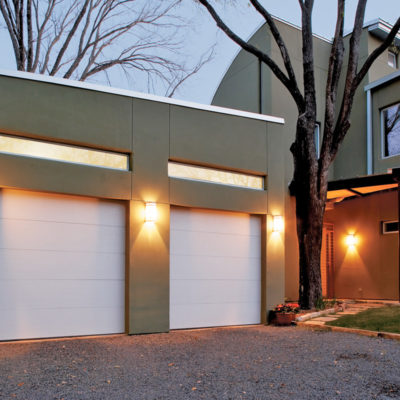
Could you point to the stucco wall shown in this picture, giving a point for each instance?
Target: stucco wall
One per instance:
(152, 133)
(383, 97)
(370, 269)
(240, 88)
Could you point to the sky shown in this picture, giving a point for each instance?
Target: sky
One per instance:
(244, 20)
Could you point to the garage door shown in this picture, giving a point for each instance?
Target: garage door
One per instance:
(215, 268)
(61, 265)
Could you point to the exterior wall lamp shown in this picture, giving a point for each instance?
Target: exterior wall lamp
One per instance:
(351, 240)
(150, 212)
(277, 223)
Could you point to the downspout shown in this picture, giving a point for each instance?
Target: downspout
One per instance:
(369, 132)
(260, 96)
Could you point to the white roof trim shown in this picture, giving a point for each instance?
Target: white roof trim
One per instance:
(382, 81)
(138, 95)
(260, 25)
(377, 27)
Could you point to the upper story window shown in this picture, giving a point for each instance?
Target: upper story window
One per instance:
(392, 59)
(391, 130)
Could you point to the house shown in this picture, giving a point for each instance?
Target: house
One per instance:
(360, 252)
(124, 212)
(129, 213)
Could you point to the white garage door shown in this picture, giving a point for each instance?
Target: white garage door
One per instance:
(215, 268)
(61, 265)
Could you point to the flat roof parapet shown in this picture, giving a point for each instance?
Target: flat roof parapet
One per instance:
(139, 95)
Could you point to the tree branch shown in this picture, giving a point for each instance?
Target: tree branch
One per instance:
(377, 52)
(297, 96)
(278, 39)
(30, 34)
(69, 37)
(343, 124)
(334, 70)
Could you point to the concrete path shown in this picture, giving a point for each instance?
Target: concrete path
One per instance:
(351, 309)
(319, 323)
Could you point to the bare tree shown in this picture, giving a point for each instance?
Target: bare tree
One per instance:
(310, 179)
(80, 38)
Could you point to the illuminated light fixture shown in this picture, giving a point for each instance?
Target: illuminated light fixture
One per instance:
(150, 212)
(351, 240)
(277, 223)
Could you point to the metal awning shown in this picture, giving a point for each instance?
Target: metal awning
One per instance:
(363, 185)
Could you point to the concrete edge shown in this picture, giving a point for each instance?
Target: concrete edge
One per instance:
(316, 314)
(362, 332)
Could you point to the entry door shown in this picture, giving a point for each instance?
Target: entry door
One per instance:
(215, 268)
(61, 265)
(327, 262)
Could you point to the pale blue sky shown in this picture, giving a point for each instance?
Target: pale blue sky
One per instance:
(245, 21)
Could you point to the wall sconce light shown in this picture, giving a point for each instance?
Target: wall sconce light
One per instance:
(351, 240)
(150, 212)
(277, 223)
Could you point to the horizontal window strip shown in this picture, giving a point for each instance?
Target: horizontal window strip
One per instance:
(185, 171)
(61, 152)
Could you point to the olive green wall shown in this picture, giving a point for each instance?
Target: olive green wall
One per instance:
(380, 67)
(240, 88)
(370, 270)
(354, 146)
(152, 133)
(66, 114)
(383, 97)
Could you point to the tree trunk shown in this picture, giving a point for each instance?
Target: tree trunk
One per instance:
(310, 194)
(309, 233)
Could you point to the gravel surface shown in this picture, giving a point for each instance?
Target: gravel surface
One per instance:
(226, 363)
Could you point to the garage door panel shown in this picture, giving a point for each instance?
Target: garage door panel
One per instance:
(18, 204)
(208, 315)
(33, 264)
(213, 291)
(204, 220)
(204, 267)
(30, 294)
(62, 265)
(215, 268)
(21, 234)
(213, 244)
(34, 323)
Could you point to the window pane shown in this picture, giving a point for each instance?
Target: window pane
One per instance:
(317, 139)
(184, 171)
(391, 130)
(60, 152)
(392, 59)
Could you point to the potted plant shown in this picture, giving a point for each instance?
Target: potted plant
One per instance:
(285, 313)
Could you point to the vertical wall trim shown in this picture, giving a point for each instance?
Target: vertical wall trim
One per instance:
(260, 85)
(369, 132)
(264, 317)
(398, 222)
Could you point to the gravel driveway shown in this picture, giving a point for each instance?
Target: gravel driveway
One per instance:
(228, 363)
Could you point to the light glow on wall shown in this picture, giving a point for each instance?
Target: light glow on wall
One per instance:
(61, 152)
